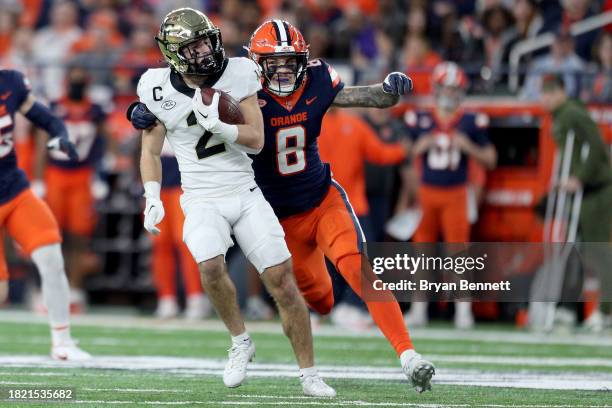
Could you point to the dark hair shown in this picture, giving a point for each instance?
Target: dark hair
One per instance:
(552, 82)
(597, 44)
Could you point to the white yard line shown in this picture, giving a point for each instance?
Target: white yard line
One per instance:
(137, 322)
(201, 366)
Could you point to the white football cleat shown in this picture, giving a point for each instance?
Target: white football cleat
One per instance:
(198, 307)
(239, 357)
(595, 322)
(418, 370)
(69, 351)
(167, 308)
(314, 386)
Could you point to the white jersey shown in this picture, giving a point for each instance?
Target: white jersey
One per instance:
(209, 168)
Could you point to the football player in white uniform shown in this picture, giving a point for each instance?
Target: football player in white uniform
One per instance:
(220, 196)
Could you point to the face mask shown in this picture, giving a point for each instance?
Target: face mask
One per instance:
(447, 103)
(76, 91)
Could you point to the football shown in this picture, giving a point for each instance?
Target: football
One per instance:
(229, 108)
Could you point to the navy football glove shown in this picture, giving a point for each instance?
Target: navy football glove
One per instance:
(397, 83)
(140, 116)
(63, 144)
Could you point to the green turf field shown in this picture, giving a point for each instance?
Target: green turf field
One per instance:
(143, 362)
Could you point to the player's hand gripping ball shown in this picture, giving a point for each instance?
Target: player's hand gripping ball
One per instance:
(227, 108)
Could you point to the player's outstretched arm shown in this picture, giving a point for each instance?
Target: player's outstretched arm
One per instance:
(151, 174)
(382, 95)
(43, 118)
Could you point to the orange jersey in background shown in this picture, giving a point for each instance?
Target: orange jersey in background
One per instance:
(347, 142)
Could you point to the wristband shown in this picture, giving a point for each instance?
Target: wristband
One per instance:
(227, 132)
(152, 189)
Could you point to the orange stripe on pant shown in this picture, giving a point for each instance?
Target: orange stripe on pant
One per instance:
(169, 240)
(329, 230)
(29, 222)
(444, 212)
(69, 197)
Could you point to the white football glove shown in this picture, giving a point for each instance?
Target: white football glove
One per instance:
(154, 209)
(208, 117)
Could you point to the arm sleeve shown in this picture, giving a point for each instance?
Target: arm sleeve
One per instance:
(21, 88)
(42, 117)
(378, 152)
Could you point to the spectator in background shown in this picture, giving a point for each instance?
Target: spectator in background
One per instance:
(380, 179)
(574, 11)
(418, 61)
(8, 25)
(140, 53)
(98, 52)
(486, 55)
(52, 47)
(528, 20)
(67, 185)
(600, 89)
(347, 142)
(324, 12)
(591, 172)
(528, 24)
(562, 60)
(369, 48)
(20, 55)
(321, 43)
(390, 19)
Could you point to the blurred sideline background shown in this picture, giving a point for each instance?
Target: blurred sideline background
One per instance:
(85, 58)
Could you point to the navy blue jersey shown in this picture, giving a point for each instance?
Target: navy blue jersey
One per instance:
(171, 176)
(14, 90)
(83, 120)
(444, 165)
(289, 170)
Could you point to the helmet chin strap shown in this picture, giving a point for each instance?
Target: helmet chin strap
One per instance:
(285, 90)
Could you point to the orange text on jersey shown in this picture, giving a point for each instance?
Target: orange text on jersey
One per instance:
(289, 120)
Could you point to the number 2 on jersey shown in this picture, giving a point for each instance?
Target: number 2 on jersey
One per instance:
(290, 154)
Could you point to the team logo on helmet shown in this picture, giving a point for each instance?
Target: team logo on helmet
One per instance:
(183, 27)
(281, 51)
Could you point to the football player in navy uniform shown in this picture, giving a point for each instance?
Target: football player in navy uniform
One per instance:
(315, 213)
(446, 137)
(26, 217)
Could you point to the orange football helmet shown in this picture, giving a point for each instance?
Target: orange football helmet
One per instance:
(281, 51)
